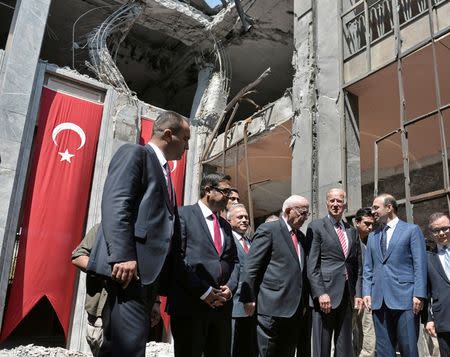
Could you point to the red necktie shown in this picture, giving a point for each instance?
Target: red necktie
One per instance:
(245, 245)
(295, 241)
(341, 235)
(217, 237)
(169, 183)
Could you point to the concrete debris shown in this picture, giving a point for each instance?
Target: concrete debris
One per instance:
(154, 349)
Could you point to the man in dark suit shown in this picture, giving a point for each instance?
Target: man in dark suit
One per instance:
(334, 272)
(200, 299)
(394, 279)
(438, 317)
(275, 281)
(243, 326)
(138, 222)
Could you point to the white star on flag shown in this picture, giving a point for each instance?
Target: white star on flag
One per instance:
(65, 156)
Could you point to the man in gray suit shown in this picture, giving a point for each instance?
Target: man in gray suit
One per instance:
(275, 282)
(243, 326)
(139, 218)
(334, 272)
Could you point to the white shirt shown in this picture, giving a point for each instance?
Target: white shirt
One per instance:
(392, 224)
(298, 241)
(207, 214)
(162, 160)
(341, 224)
(241, 239)
(441, 254)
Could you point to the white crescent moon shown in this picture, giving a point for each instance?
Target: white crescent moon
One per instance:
(69, 126)
(174, 164)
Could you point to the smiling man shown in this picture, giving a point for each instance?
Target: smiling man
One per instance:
(438, 321)
(334, 272)
(394, 279)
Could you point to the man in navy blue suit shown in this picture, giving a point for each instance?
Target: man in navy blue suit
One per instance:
(394, 279)
(200, 296)
(438, 321)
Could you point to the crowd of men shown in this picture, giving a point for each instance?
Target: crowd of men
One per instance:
(361, 289)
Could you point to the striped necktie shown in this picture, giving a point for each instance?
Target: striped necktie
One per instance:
(342, 240)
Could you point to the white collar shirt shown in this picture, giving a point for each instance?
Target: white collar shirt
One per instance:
(391, 224)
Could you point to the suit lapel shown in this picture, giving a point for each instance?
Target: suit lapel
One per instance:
(226, 238)
(329, 227)
(438, 265)
(287, 238)
(399, 228)
(160, 174)
(199, 214)
(350, 237)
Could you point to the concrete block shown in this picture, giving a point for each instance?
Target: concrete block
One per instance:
(11, 125)
(9, 153)
(6, 184)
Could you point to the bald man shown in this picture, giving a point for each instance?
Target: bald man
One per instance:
(395, 279)
(275, 281)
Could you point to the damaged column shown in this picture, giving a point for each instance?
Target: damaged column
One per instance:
(319, 133)
(209, 102)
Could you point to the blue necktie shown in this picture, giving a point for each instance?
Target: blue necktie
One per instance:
(383, 241)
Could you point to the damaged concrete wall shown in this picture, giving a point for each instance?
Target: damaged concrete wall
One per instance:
(209, 102)
(319, 137)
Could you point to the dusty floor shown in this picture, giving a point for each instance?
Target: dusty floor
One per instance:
(153, 350)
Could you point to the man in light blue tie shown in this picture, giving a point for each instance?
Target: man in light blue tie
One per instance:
(438, 314)
(394, 279)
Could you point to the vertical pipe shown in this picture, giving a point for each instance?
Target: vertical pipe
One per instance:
(341, 105)
(247, 174)
(375, 174)
(444, 154)
(366, 19)
(403, 133)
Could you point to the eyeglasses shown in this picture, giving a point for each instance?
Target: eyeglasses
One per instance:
(302, 212)
(436, 231)
(223, 191)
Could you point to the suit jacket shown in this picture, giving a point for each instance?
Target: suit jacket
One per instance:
(273, 276)
(198, 265)
(137, 218)
(238, 306)
(438, 293)
(401, 274)
(327, 265)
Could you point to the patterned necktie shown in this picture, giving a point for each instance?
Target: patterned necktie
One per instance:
(446, 250)
(217, 237)
(169, 184)
(295, 242)
(383, 240)
(245, 245)
(342, 240)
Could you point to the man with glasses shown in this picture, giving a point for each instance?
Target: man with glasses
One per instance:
(200, 298)
(394, 279)
(275, 282)
(438, 317)
(363, 330)
(334, 272)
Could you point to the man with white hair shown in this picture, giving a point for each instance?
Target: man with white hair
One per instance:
(334, 272)
(275, 280)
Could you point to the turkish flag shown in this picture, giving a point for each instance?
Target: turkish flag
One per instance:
(177, 175)
(55, 207)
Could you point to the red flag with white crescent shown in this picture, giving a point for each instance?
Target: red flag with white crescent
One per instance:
(55, 208)
(177, 175)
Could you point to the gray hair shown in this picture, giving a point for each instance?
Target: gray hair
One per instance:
(293, 200)
(233, 208)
